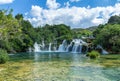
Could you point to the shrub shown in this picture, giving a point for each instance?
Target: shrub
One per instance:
(3, 56)
(93, 54)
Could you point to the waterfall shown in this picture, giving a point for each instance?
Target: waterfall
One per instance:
(43, 45)
(50, 47)
(37, 47)
(69, 46)
(62, 46)
(103, 51)
(75, 46)
(80, 51)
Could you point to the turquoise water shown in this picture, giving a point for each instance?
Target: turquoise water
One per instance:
(52, 66)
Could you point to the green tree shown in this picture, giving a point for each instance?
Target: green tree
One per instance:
(9, 29)
(19, 17)
(109, 37)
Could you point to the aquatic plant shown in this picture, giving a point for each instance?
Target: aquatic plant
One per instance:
(93, 54)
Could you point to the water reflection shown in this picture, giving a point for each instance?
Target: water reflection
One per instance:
(36, 67)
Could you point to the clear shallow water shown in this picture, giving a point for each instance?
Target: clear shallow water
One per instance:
(63, 67)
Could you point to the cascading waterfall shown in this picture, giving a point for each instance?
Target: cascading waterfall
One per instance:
(69, 46)
(41, 47)
(103, 51)
(80, 48)
(62, 46)
(50, 44)
(43, 44)
(37, 47)
(75, 46)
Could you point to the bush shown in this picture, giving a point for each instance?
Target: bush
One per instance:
(93, 54)
(3, 56)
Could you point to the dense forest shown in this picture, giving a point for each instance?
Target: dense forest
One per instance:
(17, 34)
(108, 35)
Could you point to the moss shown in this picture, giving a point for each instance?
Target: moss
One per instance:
(93, 54)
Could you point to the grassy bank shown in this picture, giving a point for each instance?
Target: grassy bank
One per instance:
(110, 60)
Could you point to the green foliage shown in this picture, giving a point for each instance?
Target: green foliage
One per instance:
(93, 54)
(52, 33)
(109, 37)
(97, 31)
(17, 35)
(10, 29)
(5, 45)
(19, 17)
(78, 33)
(3, 56)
